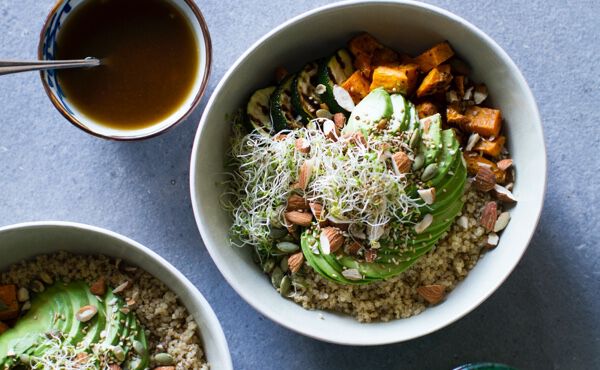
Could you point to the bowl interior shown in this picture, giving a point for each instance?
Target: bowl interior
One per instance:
(26, 241)
(47, 50)
(406, 26)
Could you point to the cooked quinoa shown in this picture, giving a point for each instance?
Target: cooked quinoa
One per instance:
(447, 265)
(169, 326)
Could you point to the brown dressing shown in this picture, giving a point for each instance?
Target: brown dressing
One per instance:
(149, 61)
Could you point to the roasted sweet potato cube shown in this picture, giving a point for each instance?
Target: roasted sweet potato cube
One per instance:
(455, 118)
(362, 62)
(9, 307)
(385, 57)
(426, 109)
(364, 44)
(397, 79)
(357, 85)
(490, 147)
(459, 82)
(459, 67)
(486, 122)
(3, 327)
(476, 161)
(434, 56)
(437, 80)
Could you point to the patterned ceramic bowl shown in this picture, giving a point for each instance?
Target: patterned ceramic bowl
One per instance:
(46, 51)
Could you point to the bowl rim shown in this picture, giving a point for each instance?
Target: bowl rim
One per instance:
(208, 315)
(207, 60)
(197, 203)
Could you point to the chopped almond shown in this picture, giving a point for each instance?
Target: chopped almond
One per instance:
(398, 79)
(490, 147)
(437, 80)
(434, 56)
(357, 85)
(486, 122)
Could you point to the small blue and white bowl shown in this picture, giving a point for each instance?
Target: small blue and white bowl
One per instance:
(46, 50)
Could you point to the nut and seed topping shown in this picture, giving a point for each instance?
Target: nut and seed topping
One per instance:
(485, 179)
(295, 262)
(502, 222)
(433, 293)
(299, 218)
(331, 239)
(402, 162)
(86, 313)
(489, 215)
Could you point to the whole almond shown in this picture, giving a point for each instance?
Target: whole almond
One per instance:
(485, 179)
(317, 211)
(303, 146)
(296, 203)
(299, 218)
(402, 161)
(114, 367)
(489, 215)
(432, 293)
(98, 287)
(295, 262)
(339, 119)
(304, 174)
(504, 164)
(331, 239)
(370, 255)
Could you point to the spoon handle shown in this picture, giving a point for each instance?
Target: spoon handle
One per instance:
(16, 66)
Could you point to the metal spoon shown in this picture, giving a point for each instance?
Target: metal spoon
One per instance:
(16, 66)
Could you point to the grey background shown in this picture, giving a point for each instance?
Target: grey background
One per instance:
(547, 314)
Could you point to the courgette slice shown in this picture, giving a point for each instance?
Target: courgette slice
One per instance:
(305, 100)
(258, 112)
(334, 71)
(282, 112)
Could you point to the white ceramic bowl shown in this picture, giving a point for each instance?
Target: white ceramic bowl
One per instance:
(27, 240)
(403, 25)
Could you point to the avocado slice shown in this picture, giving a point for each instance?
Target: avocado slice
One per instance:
(55, 309)
(369, 112)
(401, 113)
(431, 137)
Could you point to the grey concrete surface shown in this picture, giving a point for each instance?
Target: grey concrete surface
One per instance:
(546, 315)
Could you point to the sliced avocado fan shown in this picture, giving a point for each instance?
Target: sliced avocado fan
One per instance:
(53, 314)
(441, 152)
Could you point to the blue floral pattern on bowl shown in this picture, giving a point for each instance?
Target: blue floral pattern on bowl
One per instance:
(48, 51)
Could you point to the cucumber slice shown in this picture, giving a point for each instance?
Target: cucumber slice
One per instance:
(431, 139)
(258, 112)
(334, 71)
(401, 115)
(305, 100)
(372, 109)
(282, 113)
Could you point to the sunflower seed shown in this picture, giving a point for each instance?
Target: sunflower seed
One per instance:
(502, 222)
(424, 224)
(418, 162)
(23, 295)
(352, 274)
(414, 138)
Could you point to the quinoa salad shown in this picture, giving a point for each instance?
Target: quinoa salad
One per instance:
(370, 181)
(66, 311)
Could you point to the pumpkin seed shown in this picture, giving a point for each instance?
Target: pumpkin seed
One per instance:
(324, 113)
(163, 359)
(268, 265)
(415, 137)
(23, 295)
(37, 286)
(277, 232)
(429, 172)
(139, 348)
(284, 288)
(419, 162)
(287, 247)
(276, 277)
(283, 264)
